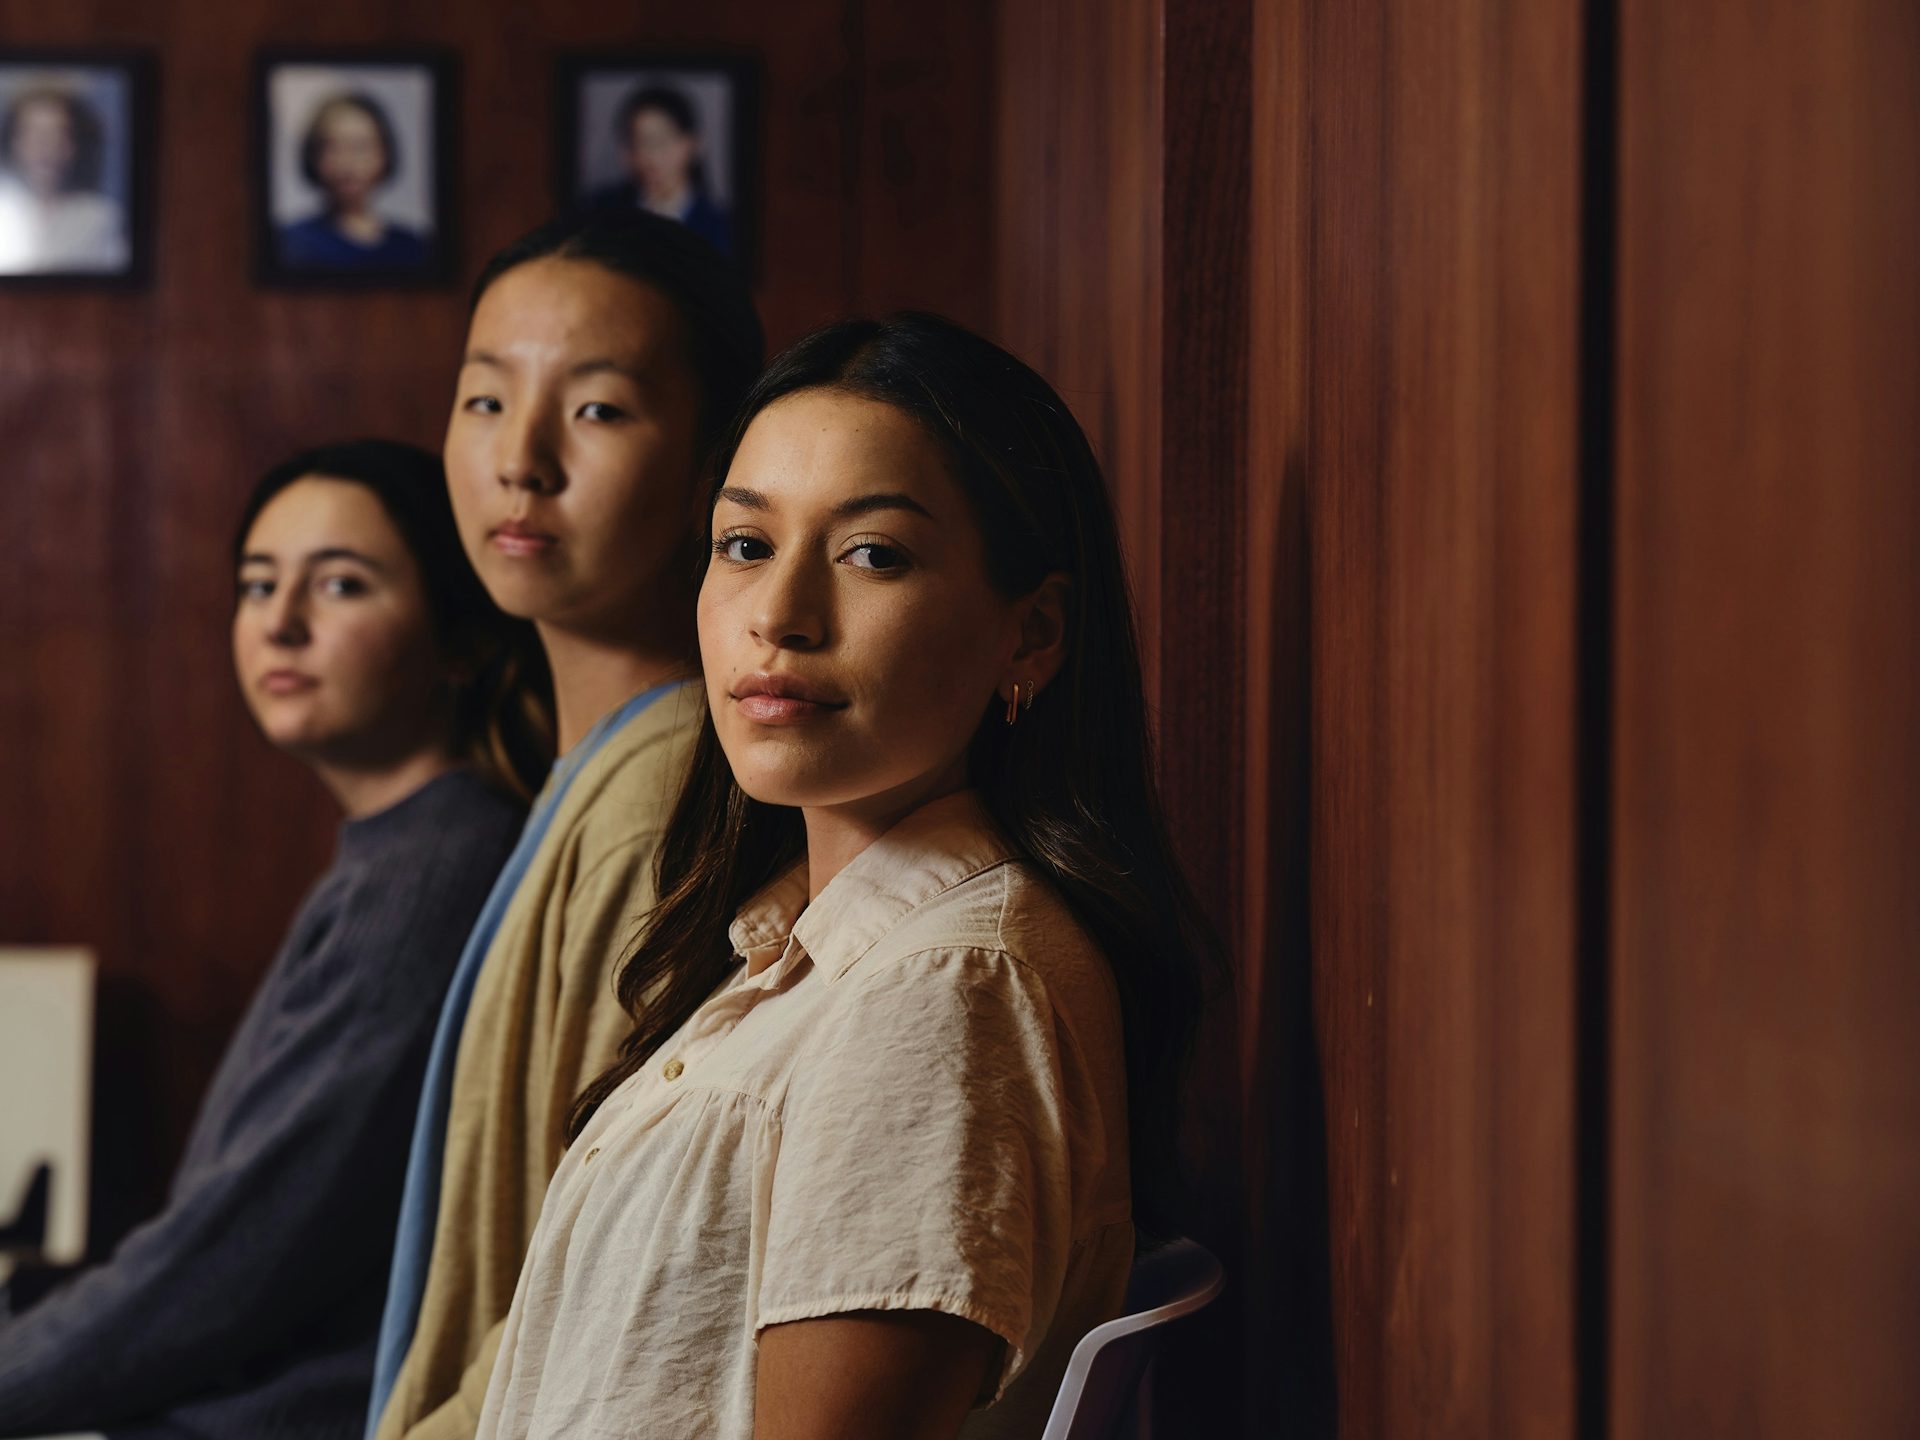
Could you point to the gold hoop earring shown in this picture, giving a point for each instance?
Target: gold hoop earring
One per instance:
(1013, 703)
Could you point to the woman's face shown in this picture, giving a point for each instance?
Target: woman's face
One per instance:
(43, 146)
(661, 154)
(851, 638)
(332, 636)
(352, 159)
(571, 448)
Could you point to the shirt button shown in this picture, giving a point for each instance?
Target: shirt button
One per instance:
(672, 1070)
(590, 1154)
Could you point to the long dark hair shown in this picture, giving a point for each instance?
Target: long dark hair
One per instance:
(725, 343)
(1071, 786)
(503, 713)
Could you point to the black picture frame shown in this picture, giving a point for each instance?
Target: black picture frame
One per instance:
(108, 245)
(296, 246)
(720, 86)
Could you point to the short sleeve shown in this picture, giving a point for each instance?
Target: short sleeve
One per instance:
(923, 1158)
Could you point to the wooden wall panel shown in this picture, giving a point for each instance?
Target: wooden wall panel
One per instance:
(1766, 1099)
(1440, 289)
(139, 813)
(1077, 267)
(1290, 1377)
(1120, 268)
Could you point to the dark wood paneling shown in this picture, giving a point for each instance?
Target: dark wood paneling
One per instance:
(1077, 245)
(1202, 654)
(1766, 1274)
(1440, 286)
(1121, 273)
(140, 813)
(1287, 1261)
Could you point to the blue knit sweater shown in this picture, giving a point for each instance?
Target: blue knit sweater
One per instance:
(249, 1306)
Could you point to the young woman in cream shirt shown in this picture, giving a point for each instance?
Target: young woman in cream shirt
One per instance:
(864, 1165)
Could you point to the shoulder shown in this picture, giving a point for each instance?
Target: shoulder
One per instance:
(91, 207)
(306, 240)
(1004, 909)
(433, 861)
(403, 245)
(1003, 926)
(314, 227)
(626, 793)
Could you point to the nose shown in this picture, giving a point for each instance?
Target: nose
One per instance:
(791, 605)
(287, 617)
(526, 458)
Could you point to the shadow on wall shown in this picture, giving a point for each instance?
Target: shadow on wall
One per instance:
(130, 1120)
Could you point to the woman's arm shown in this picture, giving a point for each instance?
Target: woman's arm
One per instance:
(255, 1239)
(874, 1374)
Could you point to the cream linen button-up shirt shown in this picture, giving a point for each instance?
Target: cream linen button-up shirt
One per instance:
(910, 1096)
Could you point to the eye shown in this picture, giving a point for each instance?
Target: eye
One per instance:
(253, 589)
(481, 405)
(875, 555)
(741, 549)
(341, 587)
(601, 411)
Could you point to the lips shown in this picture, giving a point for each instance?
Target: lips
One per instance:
(287, 682)
(520, 540)
(783, 699)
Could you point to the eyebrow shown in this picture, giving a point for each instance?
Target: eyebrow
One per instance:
(845, 510)
(332, 552)
(600, 365)
(606, 366)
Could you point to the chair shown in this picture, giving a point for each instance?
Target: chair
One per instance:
(1108, 1376)
(46, 1065)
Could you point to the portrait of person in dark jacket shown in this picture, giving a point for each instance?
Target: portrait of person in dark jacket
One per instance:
(665, 164)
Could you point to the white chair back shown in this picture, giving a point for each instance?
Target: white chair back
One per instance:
(1107, 1375)
(46, 1092)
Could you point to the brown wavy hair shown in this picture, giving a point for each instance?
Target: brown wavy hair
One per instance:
(1071, 786)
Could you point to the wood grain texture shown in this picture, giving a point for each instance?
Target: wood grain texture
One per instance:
(1287, 1260)
(1202, 654)
(1440, 285)
(1120, 267)
(140, 814)
(1766, 1260)
(1077, 255)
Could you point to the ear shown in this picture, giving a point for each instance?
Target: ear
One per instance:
(1043, 638)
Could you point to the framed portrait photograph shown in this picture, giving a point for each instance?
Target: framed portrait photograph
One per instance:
(356, 161)
(76, 133)
(674, 135)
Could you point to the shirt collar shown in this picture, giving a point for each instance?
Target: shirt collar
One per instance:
(939, 845)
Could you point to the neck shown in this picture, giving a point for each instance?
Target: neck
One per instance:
(669, 203)
(362, 792)
(837, 833)
(592, 677)
(356, 218)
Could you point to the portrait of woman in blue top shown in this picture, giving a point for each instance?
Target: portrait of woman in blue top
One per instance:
(365, 648)
(349, 154)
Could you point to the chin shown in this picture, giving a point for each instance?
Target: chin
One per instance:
(523, 596)
(797, 786)
(299, 741)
